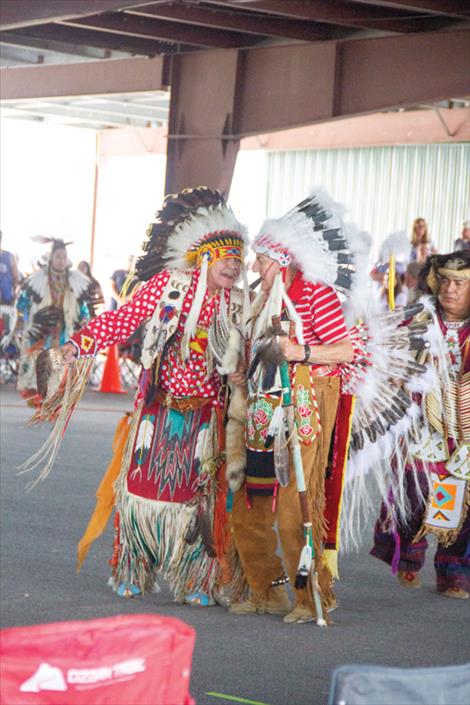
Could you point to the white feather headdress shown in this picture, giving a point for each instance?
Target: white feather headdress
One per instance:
(189, 232)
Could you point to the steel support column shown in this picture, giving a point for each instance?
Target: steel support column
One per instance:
(201, 149)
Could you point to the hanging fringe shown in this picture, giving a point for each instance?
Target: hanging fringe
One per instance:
(152, 535)
(59, 409)
(246, 302)
(294, 316)
(152, 542)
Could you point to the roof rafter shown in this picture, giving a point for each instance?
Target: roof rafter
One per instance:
(86, 37)
(341, 12)
(231, 20)
(25, 13)
(458, 9)
(16, 39)
(145, 27)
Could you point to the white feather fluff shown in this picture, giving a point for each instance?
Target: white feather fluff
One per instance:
(204, 221)
(398, 244)
(38, 282)
(79, 282)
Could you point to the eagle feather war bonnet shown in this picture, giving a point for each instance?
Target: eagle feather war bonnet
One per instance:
(314, 238)
(194, 229)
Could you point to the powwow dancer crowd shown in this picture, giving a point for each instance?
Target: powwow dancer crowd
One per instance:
(328, 398)
(51, 307)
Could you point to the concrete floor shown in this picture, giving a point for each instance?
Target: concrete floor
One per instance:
(253, 657)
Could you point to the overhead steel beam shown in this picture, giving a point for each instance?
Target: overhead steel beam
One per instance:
(86, 37)
(120, 109)
(284, 87)
(85, 78)
(401, 71)
(349, 14)
(198, 151)
(24, 13)
(458, 9)
(146, 27)
(250, 23)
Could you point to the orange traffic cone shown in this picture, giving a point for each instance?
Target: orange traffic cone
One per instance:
(111, 380)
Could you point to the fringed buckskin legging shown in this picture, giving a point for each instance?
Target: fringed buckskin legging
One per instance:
(254, 533)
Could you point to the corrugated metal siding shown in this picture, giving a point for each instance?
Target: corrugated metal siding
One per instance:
(383, 188)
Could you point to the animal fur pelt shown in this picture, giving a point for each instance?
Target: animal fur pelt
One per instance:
(227, 344)
(50, 369)
(235, 447)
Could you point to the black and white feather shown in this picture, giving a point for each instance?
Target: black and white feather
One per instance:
(322, 244)
(384, 379)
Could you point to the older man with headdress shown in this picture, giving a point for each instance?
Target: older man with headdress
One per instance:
(437, 481)
(51, 307)
(298, 340)
(169, 499)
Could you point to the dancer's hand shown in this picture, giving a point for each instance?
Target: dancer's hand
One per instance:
(238, 378)
(69, 351)
(291, 351)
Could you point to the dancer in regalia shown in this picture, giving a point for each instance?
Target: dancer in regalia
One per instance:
(436, 481)
(169, 489)
(51, 307)
(298, 339)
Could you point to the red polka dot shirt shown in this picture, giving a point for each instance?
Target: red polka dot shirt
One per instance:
(190, 379)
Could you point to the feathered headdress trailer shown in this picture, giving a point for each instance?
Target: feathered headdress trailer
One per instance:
(314, 238)
(194, 229)
(55, 243)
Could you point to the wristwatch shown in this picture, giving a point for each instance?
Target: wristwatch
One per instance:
(307, 353)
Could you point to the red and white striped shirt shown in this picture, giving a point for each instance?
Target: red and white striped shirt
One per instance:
(320, 310)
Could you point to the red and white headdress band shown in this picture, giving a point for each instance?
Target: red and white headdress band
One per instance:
(263, 245)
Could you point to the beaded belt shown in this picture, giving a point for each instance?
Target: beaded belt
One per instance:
(181, 404)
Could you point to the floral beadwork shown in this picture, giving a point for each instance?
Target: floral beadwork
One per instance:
(304, 411)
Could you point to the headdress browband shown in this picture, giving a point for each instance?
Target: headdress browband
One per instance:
(222, 244)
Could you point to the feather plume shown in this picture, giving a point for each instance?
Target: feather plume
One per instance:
(398, 244)
(323, 247)
(42, 239)
(205, 527)
(144, 438)
(184, 218)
